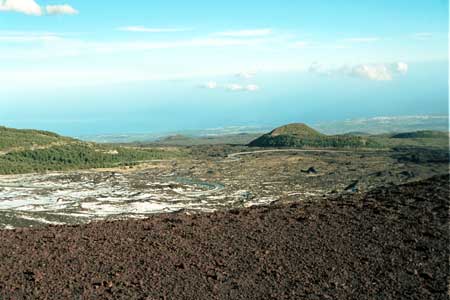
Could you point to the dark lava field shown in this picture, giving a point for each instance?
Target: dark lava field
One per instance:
(391, 243)
(232, 223)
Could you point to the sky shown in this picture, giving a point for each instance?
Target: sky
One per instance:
(95, 67)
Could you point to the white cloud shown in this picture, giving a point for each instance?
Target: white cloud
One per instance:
(301, 44)
(371, 72)
(422, 35)
(310, 45)
(234, 87)
(210, 85)
(29, 7)
(64, 9)
(246, 75)
(151, 30)
(319, 69)
(401, 67)
(362, 40)
(377, 72)
(246, 33)
(252, 88)
(50, 45)
(86, 77)
(28, 37)
(189, 43)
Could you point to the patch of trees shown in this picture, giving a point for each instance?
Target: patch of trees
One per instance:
(335, 141)
(74, 156)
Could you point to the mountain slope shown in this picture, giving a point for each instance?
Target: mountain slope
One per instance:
(27, 151)
(11, 138)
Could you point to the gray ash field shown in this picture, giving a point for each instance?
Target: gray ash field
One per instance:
(211, 178)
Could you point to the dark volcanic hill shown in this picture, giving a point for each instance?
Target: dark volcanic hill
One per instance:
(301, 135)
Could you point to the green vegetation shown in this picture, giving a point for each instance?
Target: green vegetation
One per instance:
(76, 156)
(300, 135)
(298, 130)
(423, 134)
(26, 151)
(16, 138)
(336, 141)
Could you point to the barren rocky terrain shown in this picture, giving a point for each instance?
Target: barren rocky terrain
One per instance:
(391, 243)
(213, 178)
(232, 222)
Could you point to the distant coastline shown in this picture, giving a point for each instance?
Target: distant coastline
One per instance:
(374, 125)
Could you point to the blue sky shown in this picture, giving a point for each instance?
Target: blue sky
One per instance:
(78, 67)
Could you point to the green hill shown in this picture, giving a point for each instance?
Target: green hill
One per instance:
(11, 138)
(27, 151)
(301, 135)
(299, 130)
(423, 134)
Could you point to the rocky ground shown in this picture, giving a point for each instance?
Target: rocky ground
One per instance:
(391, 243)
(213, 178)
